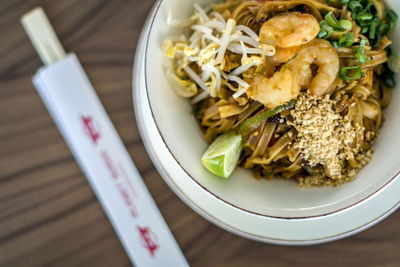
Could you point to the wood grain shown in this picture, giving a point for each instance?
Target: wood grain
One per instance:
(48, 213)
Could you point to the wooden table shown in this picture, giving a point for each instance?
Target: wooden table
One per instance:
(49, 215)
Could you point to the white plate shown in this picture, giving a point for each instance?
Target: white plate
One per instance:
(302, 227)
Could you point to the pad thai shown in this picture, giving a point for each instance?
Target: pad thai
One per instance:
(289, 89)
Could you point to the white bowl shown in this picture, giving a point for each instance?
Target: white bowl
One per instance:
(272, 211)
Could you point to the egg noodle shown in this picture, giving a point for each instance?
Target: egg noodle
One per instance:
(302, 82)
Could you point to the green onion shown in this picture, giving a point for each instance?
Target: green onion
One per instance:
(343, 2)
(384, 29)
(368, 8)
(363, 16)
(325, 30)
(254, 122)
(346, 40)
(355, 6)
(360, 52)
(345, 25)
(342, 25)
(331, 20)
(373, 27)
(366, 14)
(391, 15)
(344, 73)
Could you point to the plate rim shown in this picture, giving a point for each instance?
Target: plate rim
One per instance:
(169, 180)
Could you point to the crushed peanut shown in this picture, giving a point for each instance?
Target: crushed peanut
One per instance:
(327, 139)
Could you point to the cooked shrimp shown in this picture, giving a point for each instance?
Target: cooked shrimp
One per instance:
(324, 56)
(289, 30)
(283, 55)
(276, 90)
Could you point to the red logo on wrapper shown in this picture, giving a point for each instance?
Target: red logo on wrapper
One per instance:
(148, 239)
(90, 128)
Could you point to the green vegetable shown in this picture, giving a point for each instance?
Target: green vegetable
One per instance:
(222, 156)
(344, 73)
(346, 40)
(254, 122)
(345, 25)
(325, 30)
(364, 16)
(391, 15)
(355, 7)
(341, 25)
(367, 15)
(331, 20)
(360, 52)
(373, 28)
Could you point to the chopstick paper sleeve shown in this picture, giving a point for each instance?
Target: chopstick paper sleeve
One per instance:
(84, 124)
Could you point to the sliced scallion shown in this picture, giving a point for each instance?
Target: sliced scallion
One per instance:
(355, 6)
(331, 20)
(325, 30)
(350, 73)
(391, 15)
(346, 40)
(345, 25)
(360, 52)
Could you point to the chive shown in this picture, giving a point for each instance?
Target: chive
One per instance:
(325, 30)
(363, 16)
(345, 25)
(373, 27)
(360, 52)
(391, 15)
(355, 6)
(384, 29)
(254, 122)
(341, 25)
(331, 20)
(356, 70)
(368, 8)
(376, 42)
(346, 40)
(364, 30)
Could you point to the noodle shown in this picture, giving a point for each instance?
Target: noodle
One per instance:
(217, 67)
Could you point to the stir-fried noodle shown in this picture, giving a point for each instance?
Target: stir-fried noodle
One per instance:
(324, 60)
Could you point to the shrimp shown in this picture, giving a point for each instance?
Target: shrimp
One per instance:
(324, 56)
(283, 55)
(289, 30)
(285, 84)
(276, 90)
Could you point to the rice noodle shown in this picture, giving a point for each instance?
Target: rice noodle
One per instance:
(220, 62)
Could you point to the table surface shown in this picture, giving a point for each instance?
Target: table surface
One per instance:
(49, 215)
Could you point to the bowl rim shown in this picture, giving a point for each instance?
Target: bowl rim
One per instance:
(146, 35)
(210, 215)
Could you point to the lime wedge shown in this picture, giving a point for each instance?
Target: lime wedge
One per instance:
(223, 154)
